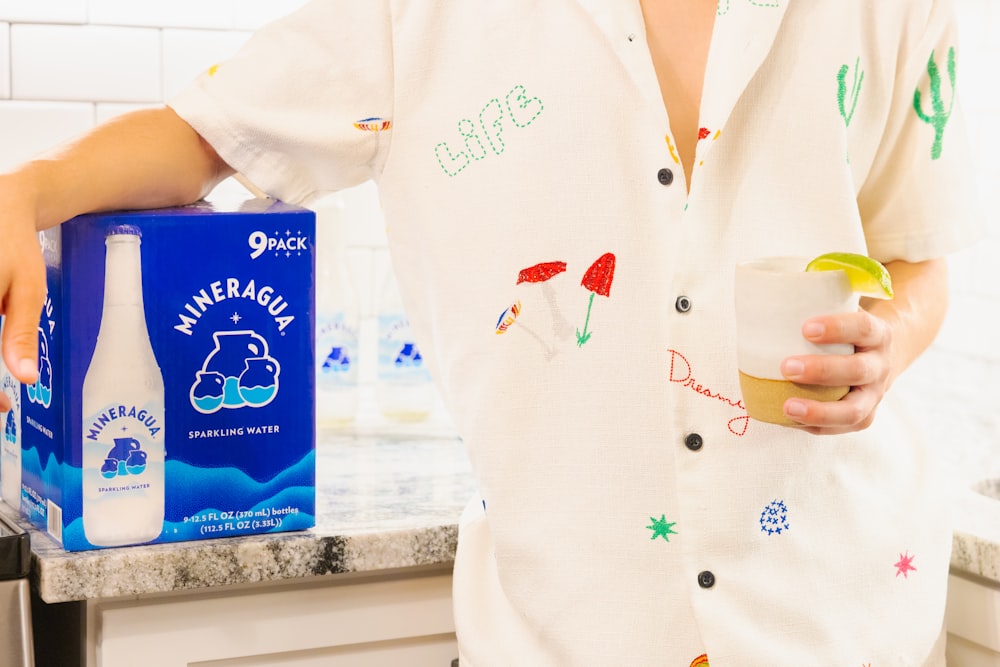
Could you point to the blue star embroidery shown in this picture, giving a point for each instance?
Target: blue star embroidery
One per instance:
(774, 518)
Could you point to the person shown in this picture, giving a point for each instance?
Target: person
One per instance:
(590, 172)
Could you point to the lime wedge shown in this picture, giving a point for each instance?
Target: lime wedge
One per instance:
(867, 276)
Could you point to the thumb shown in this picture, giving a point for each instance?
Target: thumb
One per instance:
(20, 327)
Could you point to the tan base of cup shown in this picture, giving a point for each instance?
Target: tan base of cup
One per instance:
(765, 399)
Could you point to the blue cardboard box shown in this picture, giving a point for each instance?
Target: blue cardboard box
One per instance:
(175, 398)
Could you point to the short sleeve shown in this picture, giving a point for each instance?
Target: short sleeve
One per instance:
(919, 200)
(305, 107)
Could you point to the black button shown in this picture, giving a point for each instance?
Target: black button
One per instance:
(682, 304)
(706, 579)
(665, 176)
(693, 442)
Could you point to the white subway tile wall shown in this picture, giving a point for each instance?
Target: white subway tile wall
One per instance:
(216, 14)
(250, 14)
(44, 11)
(4, 60)
(29, 128)
(67, 64)
(85, 63)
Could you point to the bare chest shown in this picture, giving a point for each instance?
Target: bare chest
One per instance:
(679, 34)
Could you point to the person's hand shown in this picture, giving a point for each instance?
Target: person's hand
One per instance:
(22, 282)
(148, 158)
(867, 372)
(887, 334)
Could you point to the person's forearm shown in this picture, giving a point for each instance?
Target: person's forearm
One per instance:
(917, 310)
(145, 159)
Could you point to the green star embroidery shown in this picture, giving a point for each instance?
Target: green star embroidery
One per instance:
(662, 528)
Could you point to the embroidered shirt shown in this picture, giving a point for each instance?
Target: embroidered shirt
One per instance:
(576, 304)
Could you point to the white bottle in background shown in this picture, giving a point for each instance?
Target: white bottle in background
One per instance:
(123, 420)
(403, 390)
(338, 319)
(10, 438)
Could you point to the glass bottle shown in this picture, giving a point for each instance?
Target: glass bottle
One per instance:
(338, 318)
(123, 420)
(404, 390)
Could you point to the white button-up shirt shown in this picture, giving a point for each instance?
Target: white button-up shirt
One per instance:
(576, 303)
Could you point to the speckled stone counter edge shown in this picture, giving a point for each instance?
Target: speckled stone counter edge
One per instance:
(61, 576)
(976, 542)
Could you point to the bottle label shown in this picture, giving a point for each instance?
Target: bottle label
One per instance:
(399, 359)
(123, 455)
(336, 352)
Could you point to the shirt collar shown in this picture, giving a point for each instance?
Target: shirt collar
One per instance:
(744, 33)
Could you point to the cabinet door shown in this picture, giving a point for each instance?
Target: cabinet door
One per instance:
(364, 624)
(973, 621)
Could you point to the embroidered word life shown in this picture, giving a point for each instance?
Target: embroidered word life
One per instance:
(517, 109)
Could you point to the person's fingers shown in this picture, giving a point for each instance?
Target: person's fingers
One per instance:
(859, 328)
(853, 412)
(22, 307)
(836, 370)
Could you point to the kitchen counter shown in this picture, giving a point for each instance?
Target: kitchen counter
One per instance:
(381, 505)
(976, 541)
(387, 511)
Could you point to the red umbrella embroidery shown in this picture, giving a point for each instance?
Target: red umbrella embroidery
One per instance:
(597, 280)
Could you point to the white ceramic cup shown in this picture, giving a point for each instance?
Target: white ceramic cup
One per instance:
(774, 297)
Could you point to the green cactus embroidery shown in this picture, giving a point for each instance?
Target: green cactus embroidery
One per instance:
(842, 100)
(939, 118)
(859, 76)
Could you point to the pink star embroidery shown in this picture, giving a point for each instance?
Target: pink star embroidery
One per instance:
(903, 566)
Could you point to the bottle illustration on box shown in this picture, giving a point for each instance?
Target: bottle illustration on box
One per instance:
(404, 390)
(338, 319)
(238, 372)
(10, 440)
(123, 419)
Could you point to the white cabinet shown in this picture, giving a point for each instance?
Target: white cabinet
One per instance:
(339, 621)
(973, 621)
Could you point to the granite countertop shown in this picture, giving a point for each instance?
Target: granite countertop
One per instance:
(381, 503)
(976, 542)
(389, 503)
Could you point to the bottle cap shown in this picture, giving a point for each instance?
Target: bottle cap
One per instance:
(124, 229)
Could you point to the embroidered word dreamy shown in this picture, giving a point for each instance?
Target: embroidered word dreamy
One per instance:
(517, 109)
(681, 373)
